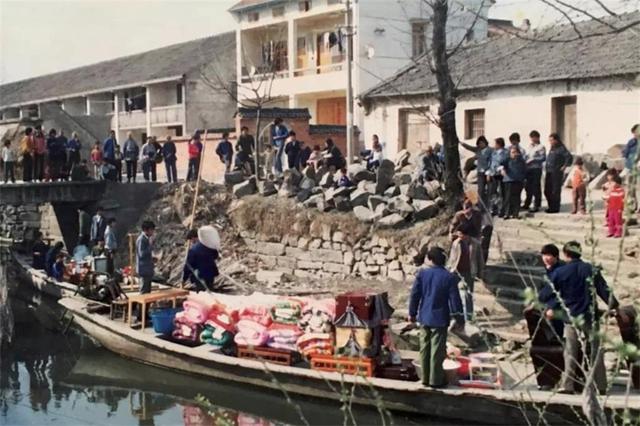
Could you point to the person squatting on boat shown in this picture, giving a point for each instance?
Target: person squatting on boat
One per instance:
(200, 267)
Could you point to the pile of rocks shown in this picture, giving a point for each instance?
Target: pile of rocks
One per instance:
(389, 197)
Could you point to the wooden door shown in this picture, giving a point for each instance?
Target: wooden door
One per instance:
(564, 120)
(323, 55)
(331, 111)
(414, 131)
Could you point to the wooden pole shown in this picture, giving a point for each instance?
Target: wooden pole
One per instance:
(131, 258)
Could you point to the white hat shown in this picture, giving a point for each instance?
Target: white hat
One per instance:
(209, 237)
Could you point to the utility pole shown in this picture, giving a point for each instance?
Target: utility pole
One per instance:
(349, 34)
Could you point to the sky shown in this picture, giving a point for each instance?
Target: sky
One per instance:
(43, 36)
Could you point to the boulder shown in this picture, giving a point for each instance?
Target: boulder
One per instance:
(233, 178)
(325, 205)
(326, 181)
(342, 204)
(381, 211)
(363, 214)
(392, 191)
(292, 177)
(358, 173)
(266, 188)
(399, 205)
(433, 188)
(270, 277)
(391, 221)
(247, 187)
(417, 192)
(375, 200)
(312, 201)
(598, 181)
(343, 191)
(402, 159)
(303, 195)
(402, 178)
(424, 209)
(287, 191)
(615, 151)
(365, 185)
(384, 176)
(322, 170)
(404, 189)
(360, 197)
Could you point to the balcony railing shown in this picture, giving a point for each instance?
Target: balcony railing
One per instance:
(171, 114)
(133, 120)
(320, 69)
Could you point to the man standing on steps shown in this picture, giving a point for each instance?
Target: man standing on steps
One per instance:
(109, 148)
(467, 260)
(578, 309)
(558, 159)
(535, 157)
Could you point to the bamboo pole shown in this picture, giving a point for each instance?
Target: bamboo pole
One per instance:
(131, 236)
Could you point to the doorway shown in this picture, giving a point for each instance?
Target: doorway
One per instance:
(563, 120)
(414, 130)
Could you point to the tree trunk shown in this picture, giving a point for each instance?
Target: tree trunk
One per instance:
(256, 151)
(447, 104)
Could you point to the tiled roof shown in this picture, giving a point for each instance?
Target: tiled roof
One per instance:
(155, 64)
(248, 4)
(510, 60)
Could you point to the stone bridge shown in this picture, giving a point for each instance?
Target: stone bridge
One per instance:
(19, 205)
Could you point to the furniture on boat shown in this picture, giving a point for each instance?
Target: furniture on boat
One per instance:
(170, 295)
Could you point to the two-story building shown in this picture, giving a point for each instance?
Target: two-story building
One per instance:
(293, 52)
(161, 92)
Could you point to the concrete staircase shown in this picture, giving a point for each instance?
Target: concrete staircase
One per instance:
(514, 262)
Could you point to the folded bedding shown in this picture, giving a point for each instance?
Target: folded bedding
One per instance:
(195, 311)
(251, 333)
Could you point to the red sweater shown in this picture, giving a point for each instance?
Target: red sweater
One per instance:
(616, 198)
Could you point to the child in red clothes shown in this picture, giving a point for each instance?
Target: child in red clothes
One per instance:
(615, 206)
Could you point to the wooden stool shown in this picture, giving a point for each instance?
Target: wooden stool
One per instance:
(119, 308)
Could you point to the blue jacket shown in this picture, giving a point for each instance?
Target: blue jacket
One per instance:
(557, 158)
(169, 152)
(50, 259)
(629, 152)
(39, 251)
(292, 149)
(516, 170)
(201, 260)
(73, 145)
(56, 147)
(498, 158)
(278, 134)
(572, 282)
(144, 256)
(109, 149)
(434, 297)
(57, 271)
(224, 150)
(131, 151)
(98, 226)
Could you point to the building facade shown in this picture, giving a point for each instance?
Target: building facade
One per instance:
(163, 92)
(587, 93)
(293, 52)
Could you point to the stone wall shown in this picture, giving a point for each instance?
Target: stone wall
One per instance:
(19, 222)
(330, 255)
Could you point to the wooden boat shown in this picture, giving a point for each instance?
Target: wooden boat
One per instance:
(517, 406)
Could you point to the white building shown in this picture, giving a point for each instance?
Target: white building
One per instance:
(294, 51)
(586, 90)
(157, 93)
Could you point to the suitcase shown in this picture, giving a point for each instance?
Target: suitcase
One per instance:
(546, 350)
(405, 371)
(362, 302)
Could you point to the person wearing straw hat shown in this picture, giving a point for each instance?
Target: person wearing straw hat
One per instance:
(200, 267)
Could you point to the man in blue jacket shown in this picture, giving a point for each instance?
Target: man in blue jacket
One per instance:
(578, 309)
(514, 173)
(279, 134)
(434, 298)
(224, 151)
(109, 148)
(144, 256)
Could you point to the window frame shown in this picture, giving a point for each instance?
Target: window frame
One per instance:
(471, 118)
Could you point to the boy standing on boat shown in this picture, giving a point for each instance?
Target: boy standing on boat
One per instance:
(434, 298)
(144, 256)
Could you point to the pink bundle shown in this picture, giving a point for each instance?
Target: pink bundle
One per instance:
(315, 344)
(218, 317)
(251, 333)
(195, 312)
(257, 313)
(283, 337)
(187, 331)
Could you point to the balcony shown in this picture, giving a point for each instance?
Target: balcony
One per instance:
(166, 115)
(136, 119)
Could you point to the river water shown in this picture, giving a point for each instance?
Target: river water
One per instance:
(49, 375)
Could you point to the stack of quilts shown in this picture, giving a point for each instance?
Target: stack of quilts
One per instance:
(220, 327)
(188, 324)
(252, 325)
(317, 324)
(284, 330)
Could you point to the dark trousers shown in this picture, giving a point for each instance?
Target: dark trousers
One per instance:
(145, 284)
(132, 170)
(172, 172)
(513, 193)
(9, 171)
(433, 350)
(496, 194)
(149, 170)
(27, 167)
(38, 166)
(118, 164)
(579, 199)
(553, 189)
(110, 254)
(483, 191)
(194, 169)
(533, 188)
(55, 168)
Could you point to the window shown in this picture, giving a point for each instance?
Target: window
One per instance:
(179, 93)
(473, 123)
(418, 38)
(278, 11)
(304, 5)
(253, 16)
